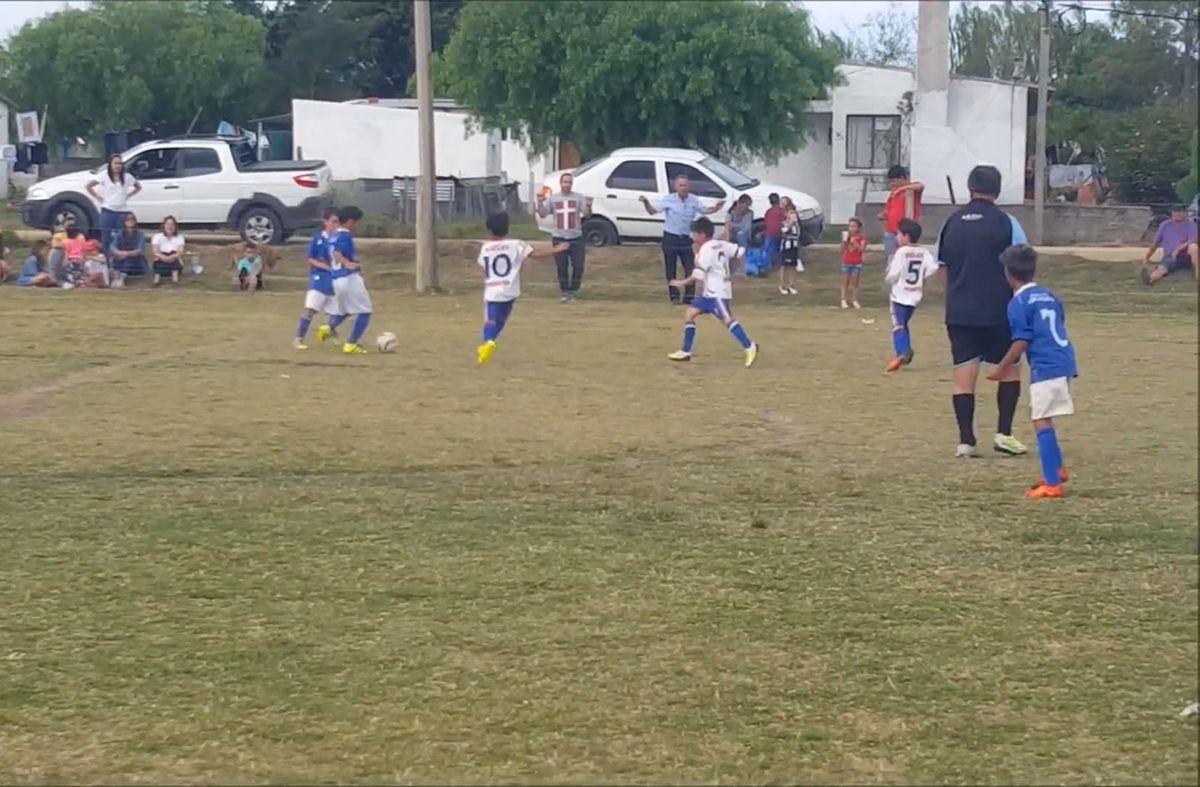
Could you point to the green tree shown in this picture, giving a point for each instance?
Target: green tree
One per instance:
(886, 38)
(1187, 188)
(115, 65)
(729, 77)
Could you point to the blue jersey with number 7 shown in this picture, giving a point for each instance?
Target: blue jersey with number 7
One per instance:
(1036, 315)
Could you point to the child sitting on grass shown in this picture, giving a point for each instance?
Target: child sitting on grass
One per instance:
(95, 266)
(249, 266)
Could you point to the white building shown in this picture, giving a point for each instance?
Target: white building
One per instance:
(376, 140)
(935, 123)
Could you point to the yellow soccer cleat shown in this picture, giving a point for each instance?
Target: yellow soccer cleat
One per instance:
(484, 352)
(1007, 444)
(751, 354)
(299, 344)
(327, 334)
(680, 355)
(353, 349)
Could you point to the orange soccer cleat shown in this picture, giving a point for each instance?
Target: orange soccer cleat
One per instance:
(895, 364)
(1044, 491)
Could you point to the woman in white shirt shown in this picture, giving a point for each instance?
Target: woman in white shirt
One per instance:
(168, 252)
(112, 191)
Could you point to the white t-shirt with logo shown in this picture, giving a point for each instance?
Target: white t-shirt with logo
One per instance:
(164, 245)
(713, 268)
(906, 273)
(501, 262)
(114, 195)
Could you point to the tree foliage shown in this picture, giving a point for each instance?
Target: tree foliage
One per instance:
(728, 77)
(117, 65)
(886, 38)
(1120, 84)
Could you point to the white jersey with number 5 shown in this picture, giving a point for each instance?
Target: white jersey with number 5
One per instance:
(501, 262)
(906, 273)
(714, 268)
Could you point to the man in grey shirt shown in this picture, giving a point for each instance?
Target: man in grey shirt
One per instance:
(569, 210)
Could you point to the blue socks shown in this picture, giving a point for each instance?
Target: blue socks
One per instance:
(689, 336)
(1051, 456)
(491, 330)
(360, 327)
(335, 320)
(900, 342)
(302, 329)
(740, 334)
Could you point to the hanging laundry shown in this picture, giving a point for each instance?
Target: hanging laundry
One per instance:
(39, 153)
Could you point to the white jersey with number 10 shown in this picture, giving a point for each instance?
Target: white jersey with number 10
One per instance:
(714, 268)
(501, 262)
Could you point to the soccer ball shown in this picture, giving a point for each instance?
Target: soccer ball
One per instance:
(386, 342)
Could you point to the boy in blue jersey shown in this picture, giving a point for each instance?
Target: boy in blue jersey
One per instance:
(1039, 330)
(320, 279)
(348, 285)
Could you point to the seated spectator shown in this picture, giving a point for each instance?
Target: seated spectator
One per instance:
(128, 251)
(739, 223)
(168, 252)
(74, 250)
(58, 242)
(249, 268)
(1177, 238)
(35, 272)
(95, 266)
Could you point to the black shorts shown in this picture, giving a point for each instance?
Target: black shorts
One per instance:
(987, 343)
(162, 268)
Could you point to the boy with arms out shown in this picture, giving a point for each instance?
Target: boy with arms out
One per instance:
(320, 280)
(712, 273)
(1039, 331)
(501, 260)
(348, 285)
(906, 272)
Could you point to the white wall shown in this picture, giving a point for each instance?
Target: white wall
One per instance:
(809, 169)
(369, 141)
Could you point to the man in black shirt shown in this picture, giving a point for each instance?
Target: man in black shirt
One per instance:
(977, 297)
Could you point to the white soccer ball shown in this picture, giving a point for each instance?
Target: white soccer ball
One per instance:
(387, 342)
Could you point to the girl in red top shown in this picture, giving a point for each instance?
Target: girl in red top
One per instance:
(854, 243)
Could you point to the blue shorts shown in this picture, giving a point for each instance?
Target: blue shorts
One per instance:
(497, 311)
(851, 270)
(717, 307)
(1177, 263)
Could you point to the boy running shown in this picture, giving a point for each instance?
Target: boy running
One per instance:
(1039, 330)
(501, 260)
(348, 286)
(712, 272)
(320, 281)
(906, 272)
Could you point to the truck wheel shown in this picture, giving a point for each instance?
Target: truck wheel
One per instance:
(259, 224)
(63, 210)
(599, 232)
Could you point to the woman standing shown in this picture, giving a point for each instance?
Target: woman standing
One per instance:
(112, 191)
(168, 252)
(128, 251)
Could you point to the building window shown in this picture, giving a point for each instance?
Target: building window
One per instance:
(872, 141)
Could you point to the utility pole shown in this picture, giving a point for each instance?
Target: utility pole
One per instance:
(1039, 163)
(427, 273)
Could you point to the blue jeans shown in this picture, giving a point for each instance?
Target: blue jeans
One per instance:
(110, 227)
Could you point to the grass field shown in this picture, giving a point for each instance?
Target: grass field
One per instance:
(227, 561)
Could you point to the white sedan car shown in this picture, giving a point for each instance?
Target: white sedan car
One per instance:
(617, 182)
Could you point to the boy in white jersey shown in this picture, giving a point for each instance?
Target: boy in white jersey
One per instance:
(712, 271)
(906, 272)
(501, 260)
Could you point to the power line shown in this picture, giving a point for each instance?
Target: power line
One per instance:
(1126, 12)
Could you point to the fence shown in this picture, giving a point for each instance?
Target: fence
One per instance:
(458, 199)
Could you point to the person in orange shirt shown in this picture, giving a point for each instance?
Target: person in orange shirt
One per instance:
(903, 202)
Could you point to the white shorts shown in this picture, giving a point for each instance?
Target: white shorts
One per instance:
(319, 301)
(1051, 398)
(352, 296)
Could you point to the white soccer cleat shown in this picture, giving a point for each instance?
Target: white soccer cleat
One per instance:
(965, 451)
(1190, 711)
(1007, 444)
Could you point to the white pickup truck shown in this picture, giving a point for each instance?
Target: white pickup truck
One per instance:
(204, 182)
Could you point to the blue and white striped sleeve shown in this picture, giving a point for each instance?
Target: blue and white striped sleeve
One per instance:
(1018, 234)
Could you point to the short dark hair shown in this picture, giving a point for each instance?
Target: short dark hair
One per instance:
(497, 224)
(854, 220)
(984, 179)
(745, 198)
(350, 213)
(330, 213)
(910, 228)
(1020, 261)
(1180, 207)
(773, 199)
(703, 226)
(897, 172)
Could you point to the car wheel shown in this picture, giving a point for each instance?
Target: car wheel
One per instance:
(599, 232)
(261, 225)
(65, 210)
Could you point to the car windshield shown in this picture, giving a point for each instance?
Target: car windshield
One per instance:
(736, 179)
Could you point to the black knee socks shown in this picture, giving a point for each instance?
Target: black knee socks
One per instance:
(964, 413)
(1007, 395)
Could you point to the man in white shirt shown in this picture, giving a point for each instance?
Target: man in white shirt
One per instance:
(907, 270)
(714, 276)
